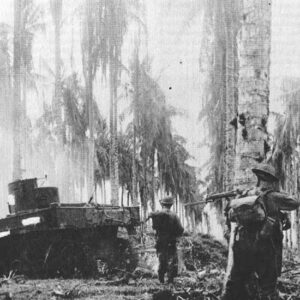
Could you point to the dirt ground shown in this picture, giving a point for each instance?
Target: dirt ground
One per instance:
(185, 286)
(202, 268)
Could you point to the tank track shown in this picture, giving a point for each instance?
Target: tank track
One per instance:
(68, 253)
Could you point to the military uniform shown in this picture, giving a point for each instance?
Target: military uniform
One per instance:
(257, 259)
(168, 228)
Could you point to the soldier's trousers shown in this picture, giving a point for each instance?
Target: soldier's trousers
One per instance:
(253, 275)
(168, 262)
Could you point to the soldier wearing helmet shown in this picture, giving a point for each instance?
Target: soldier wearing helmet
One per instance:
(168, 229)
(257, 251)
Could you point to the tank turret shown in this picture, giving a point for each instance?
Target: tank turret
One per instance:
(23, 193)
(27, 195)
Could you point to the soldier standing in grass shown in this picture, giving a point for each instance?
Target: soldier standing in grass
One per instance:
(257, 240)
(168, 229)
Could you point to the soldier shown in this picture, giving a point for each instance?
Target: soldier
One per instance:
(168, 228)
(257, 250)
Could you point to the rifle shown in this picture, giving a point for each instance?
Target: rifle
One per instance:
(213, 197)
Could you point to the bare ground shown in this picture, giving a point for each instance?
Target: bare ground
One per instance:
(202, 268)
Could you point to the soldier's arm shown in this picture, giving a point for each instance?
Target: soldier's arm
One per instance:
(149, 217)
(284, 201)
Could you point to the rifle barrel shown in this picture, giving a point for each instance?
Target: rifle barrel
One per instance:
(211, 198)
(221, 195)
(195, 203)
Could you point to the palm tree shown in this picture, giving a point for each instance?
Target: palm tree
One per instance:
(17, 172)
(105, 27)
(213, 62)
(135, 78)
(31, 22)
(90, 58)
(253, 89)
(231, 12)
(148, 108)
(117, 19)
(62, 151)
(6, 103)
(5, 74)
(56, 10)
(155, 139)
(286, 150)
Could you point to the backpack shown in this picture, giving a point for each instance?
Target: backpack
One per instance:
(249, 211)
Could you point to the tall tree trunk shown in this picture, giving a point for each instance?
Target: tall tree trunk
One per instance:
(17, 172)
(24, 130)
(152, 160)
(230, 11)
(254, 43)
(122, 196)
(144, 199)
(57, 104)
(6, 121)
(56, 7)
(114, 165)
(104, 188)
(136, 97)
(218, 80)
(89, 102)
(115, 141)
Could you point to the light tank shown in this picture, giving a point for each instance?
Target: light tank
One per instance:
(42, 238)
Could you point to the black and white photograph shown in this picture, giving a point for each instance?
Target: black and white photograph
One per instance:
(150, 149)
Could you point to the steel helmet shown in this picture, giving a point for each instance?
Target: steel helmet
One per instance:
(167, 201)
(265, 171)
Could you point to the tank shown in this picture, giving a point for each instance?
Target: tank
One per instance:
(43, 238)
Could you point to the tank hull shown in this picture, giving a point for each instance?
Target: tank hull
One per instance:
(67, 240)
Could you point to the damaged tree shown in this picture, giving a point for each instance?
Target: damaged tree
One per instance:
(254, 43)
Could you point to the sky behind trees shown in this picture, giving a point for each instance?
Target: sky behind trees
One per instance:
(174, 39)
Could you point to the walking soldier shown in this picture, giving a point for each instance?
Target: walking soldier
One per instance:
(168, 229)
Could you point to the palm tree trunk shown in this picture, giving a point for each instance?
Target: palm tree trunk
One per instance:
(297, 180)
(113, 162)
(145, 193)
(253, 88)
(152, 159)
(136, 99)
(56, 6)
(218, 83)
(6, 120)
(122, 196)
(230, 13)
(134, 177)
(89, 103)
(134, 174)
(57, 106)
(115, 140)
(24, 118)
(17, 173)
(104, 188)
